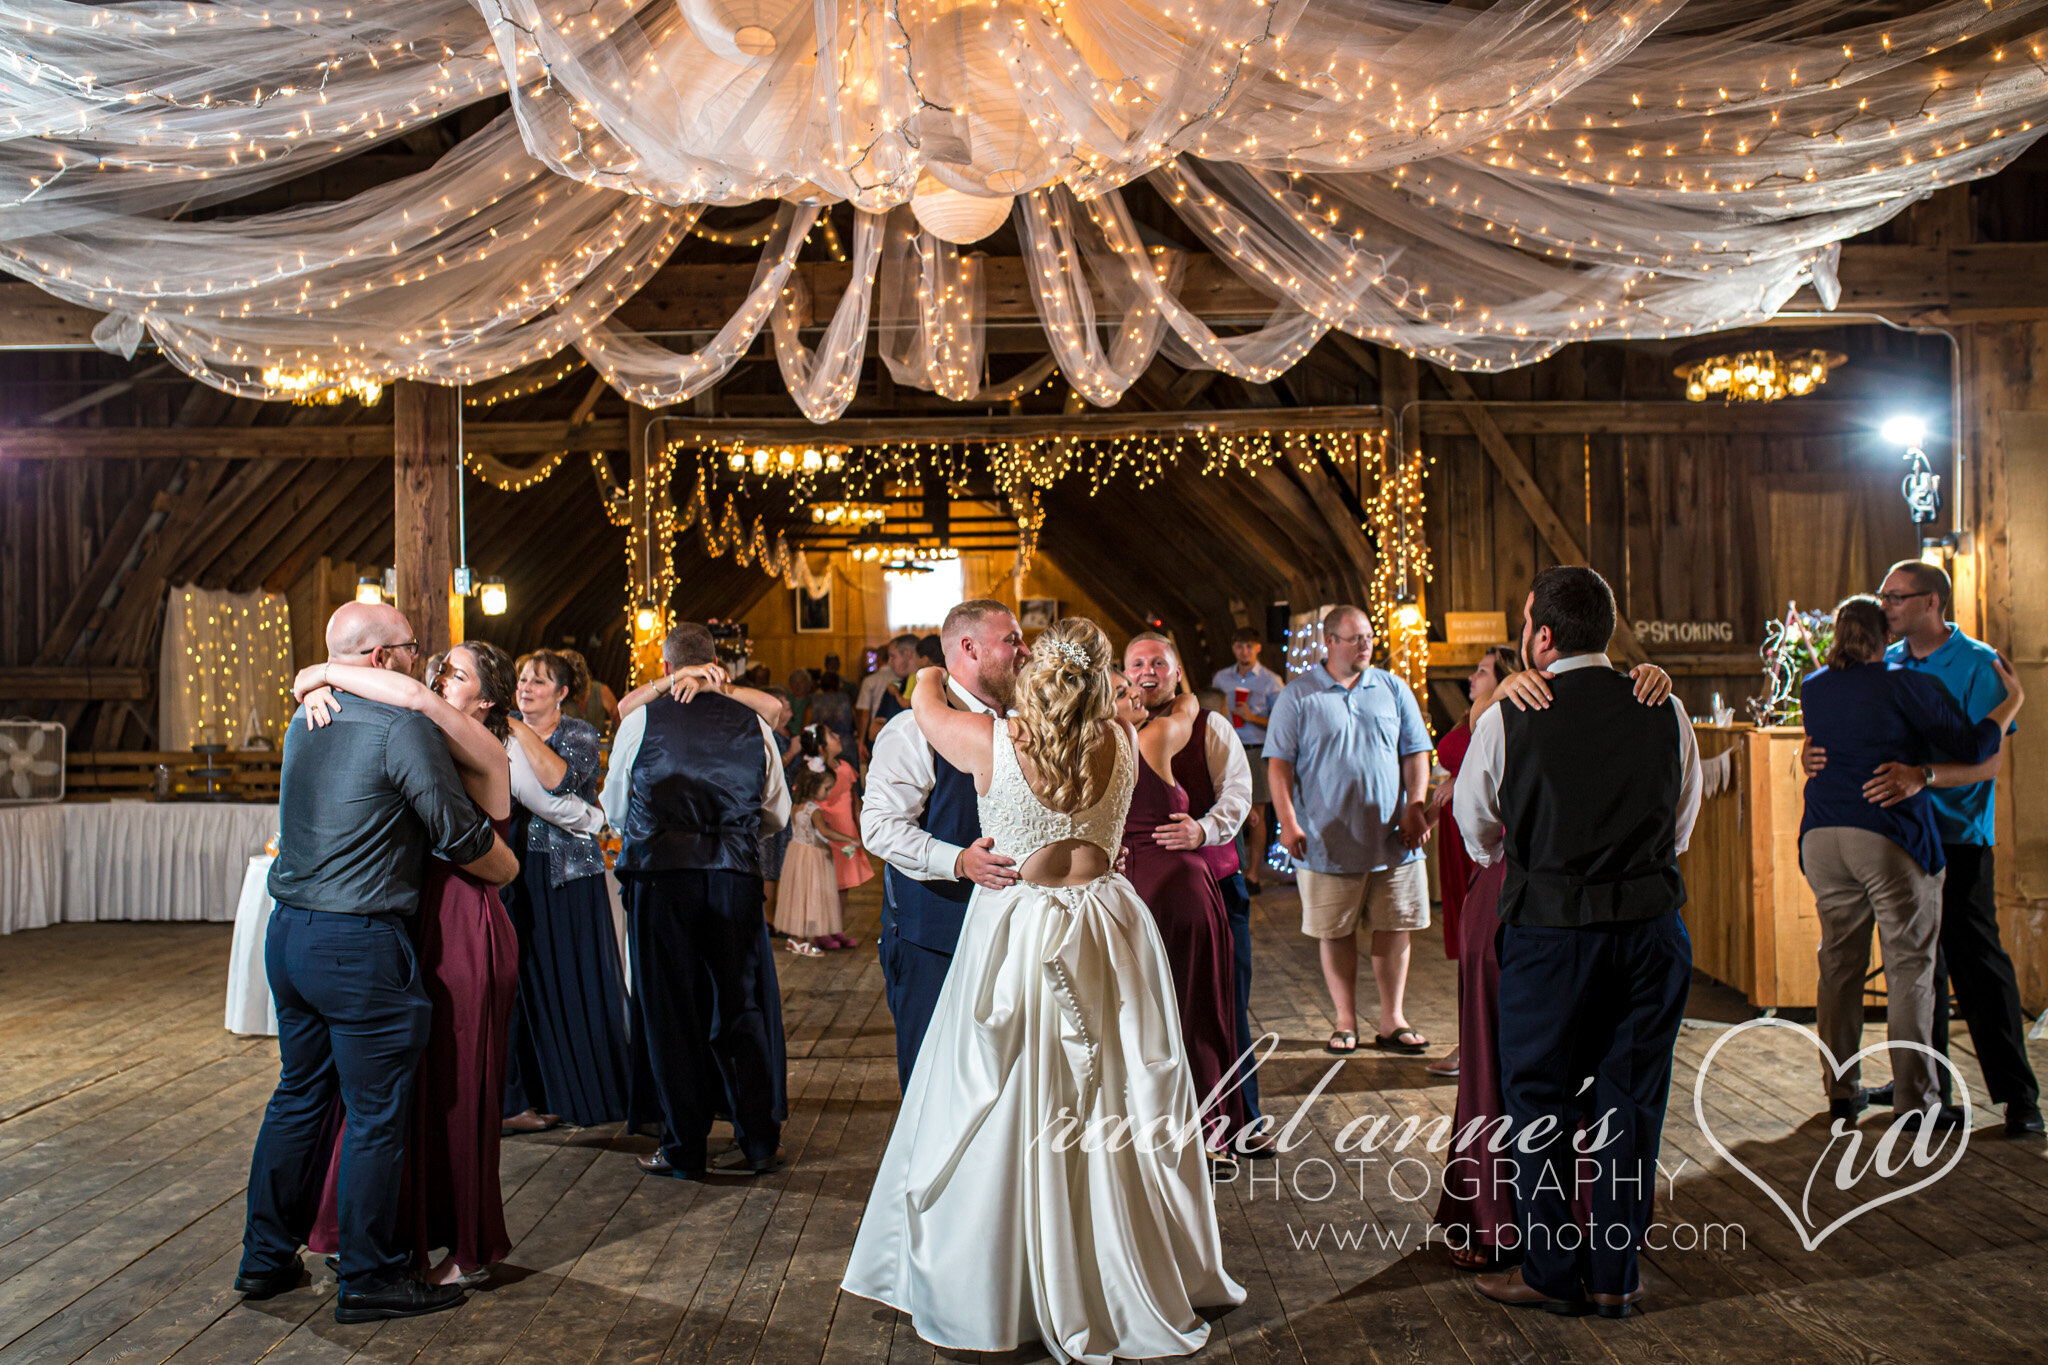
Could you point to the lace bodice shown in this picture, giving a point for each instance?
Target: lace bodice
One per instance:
(803, 827)
(1021, 824)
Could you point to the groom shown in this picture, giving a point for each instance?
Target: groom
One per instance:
(920, 816)
(1590, 801)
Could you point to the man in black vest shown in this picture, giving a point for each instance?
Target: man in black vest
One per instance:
(692, 788)
(1590, 800)
(920, 816)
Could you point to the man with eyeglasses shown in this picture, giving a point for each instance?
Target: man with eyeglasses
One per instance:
(1347, 761)
(1916, 600)
(362, 801)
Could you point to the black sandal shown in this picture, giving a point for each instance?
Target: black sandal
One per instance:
(1349, 1036)
(1404, 1040)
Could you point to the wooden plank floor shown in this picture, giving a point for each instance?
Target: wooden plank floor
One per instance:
(127, 1115)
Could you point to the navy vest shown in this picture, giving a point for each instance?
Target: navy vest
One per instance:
(697, 785)
(1589, 794)
(1190, 769)
(929, 914)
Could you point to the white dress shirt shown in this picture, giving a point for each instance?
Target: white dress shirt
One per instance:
(617, 795)
(1476, 800)
(901, 776)
(1230, 775)
(565, 811)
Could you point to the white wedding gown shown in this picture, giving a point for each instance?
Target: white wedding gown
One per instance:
(1058, 1006)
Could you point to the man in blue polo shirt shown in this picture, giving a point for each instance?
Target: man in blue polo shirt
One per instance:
(1348, 764)
(1916, 599)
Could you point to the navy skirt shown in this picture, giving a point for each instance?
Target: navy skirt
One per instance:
(568, 1034)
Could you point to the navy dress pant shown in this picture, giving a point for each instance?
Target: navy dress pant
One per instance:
(912, 975)
(710, 1008)
(1237, 903)
(1603, 1003)
(351, 1018)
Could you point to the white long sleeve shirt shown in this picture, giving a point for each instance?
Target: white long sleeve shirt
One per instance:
(1476, 799)
(617, 795)
(564, 811)
(901, 776)
(1230, 773)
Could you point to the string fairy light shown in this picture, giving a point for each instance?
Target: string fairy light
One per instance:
(1395, 519)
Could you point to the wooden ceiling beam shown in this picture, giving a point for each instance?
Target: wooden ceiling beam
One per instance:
(281, 519)
(297, 442)
(281, 562)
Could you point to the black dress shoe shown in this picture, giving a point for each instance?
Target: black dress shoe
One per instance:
(1946, 1116)
(1616, 1305)
(1848, 1109)
(733, 1161)
(2023, 1120)
(270, 1283)
(406, 1298)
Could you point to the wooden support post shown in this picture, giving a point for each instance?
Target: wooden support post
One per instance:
(427, 452)
(646, 547)
(1514, 472)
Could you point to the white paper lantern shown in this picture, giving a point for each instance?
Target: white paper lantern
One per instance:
(743, 31)
(952, 216)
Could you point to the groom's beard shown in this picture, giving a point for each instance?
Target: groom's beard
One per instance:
(999, 688)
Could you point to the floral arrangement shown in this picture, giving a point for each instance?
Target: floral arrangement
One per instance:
(1793, 648)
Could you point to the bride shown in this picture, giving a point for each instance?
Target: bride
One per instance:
(996, 1218)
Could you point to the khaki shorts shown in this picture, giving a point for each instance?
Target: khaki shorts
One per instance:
(1393, 898)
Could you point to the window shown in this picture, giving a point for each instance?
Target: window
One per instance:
(919, 602)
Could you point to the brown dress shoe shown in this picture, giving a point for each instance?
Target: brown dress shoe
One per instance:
(1507, 1287)
(1616, 1305)
(528, 1122)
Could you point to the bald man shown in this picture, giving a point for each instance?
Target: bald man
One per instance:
(361, 803)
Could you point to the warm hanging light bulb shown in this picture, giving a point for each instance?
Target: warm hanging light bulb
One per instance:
(490, 595)
(645, 616)
(370, 590)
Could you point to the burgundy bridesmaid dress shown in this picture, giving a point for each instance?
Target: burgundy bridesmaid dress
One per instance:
(1478, 1193)
(1454, 864)
(1180, 890)
(469, 966)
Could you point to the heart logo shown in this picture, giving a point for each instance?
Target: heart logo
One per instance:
(1919, 1156)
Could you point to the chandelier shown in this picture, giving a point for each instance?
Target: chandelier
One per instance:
(313, 388)
(1758, 376)
(852, 515)
(787, 461)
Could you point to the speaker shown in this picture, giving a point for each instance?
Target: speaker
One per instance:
(1276, 623)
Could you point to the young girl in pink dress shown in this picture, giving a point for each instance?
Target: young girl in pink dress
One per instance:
(836, 805)
(808, 907)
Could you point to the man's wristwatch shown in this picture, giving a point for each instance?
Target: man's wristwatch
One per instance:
(1927, 774)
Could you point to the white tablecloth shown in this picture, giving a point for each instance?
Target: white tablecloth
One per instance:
(250, 1008)
(126, 860)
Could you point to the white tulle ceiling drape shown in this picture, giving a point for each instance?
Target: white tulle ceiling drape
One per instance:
(1475, 185)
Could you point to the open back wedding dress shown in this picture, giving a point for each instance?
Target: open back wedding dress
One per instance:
(992, 1221)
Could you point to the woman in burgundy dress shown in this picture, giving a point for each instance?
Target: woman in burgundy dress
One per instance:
(469, 967)
(1180, 890)
(1454, 864)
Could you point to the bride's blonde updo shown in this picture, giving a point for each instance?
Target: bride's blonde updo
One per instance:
(1063, 695)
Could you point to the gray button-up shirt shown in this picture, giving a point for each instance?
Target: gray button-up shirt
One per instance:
(1346, 745)
(361, 802)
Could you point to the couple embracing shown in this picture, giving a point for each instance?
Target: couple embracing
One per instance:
(1056, 1013)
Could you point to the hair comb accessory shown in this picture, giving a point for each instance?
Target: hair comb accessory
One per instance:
(1070, 653)
(815, 763)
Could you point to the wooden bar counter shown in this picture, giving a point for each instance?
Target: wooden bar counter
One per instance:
(1748, 907)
